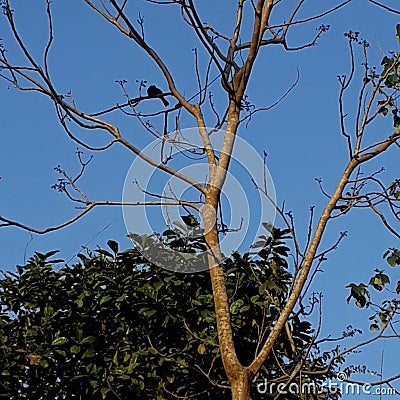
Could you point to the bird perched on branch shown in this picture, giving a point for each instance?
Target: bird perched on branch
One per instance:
(154, 91)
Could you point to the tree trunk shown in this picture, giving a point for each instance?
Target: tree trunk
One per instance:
(241, 387)
(239, 377)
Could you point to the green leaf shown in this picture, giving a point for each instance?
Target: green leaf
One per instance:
(268, 226)
(374, 327)
(387, 63)
(75, 349)
(396, 119)
(169, 233)
(113, 245)
(104, 253)
(392, 80)
(88, 339)
(104, 392)
(82, 257)
(158, 285)
(244, 309)
(398, 32)
(379, 280)
(115, 358)
(119, 370)
(89, 353)
(61, 353)
(149, 313)
(59, 341)
(391, 260)
(190, 220)
(201, 349)
(258, 244)
(104, 299)
(255, 298)
(360, 301)
(383, 110)
(359, 293)
(132, 364)
(385, 279)
(179, 225)
(236, 305)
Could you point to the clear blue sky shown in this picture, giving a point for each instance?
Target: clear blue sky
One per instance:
(301, 135)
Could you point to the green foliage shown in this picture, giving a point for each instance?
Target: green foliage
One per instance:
(392, 257)
(388, 81)
(390, 77)
(359, 293)
(394, 190)
(379, 281)
(114, 326)
(190, 220)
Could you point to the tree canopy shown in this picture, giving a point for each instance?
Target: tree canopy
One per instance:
(114, 326)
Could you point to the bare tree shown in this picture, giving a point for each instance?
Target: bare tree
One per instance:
(232, 57)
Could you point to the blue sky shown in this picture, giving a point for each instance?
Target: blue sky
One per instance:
(301, 135)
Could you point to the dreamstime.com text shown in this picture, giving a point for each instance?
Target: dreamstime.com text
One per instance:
(311, 388)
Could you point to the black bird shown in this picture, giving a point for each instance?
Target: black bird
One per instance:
(154, 91)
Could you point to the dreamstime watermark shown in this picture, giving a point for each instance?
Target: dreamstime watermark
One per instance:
(245, 207)
(271, 389)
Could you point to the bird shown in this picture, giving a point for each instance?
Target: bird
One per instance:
(154, 91)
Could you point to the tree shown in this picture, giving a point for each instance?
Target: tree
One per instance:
(234, 62)
(115, 326)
